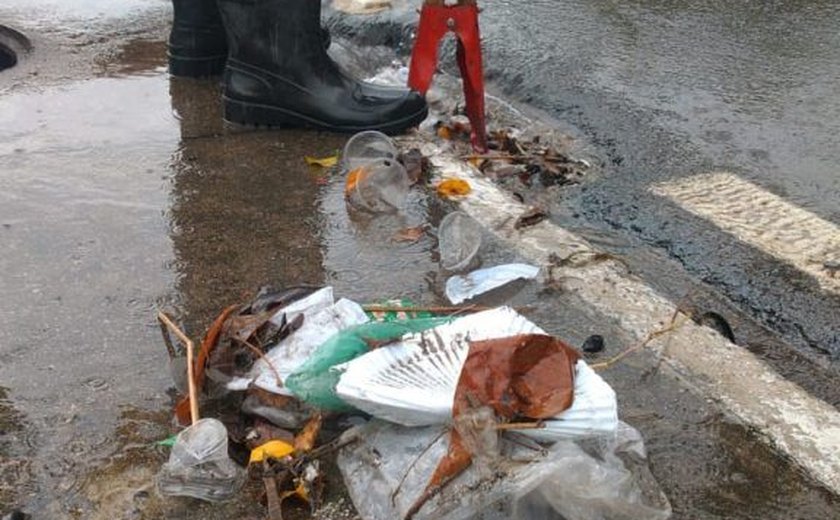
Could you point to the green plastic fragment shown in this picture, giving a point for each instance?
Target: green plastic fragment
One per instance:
(314, 382)
(167, 442)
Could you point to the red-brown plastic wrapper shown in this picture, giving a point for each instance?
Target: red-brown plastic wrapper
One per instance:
(527, 376)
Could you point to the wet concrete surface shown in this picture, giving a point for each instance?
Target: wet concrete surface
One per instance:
(124, 192)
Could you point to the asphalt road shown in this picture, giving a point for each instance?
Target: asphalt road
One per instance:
(665, 92)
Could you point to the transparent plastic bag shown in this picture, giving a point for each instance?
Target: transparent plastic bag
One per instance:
(199, 465)
(603, 478)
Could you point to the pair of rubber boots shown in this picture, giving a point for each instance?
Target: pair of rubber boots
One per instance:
(276, 68)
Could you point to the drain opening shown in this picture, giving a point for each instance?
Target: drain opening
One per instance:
(8, 57)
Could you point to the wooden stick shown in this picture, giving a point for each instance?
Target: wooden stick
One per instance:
(261, 355)
(520, 426)
(170, 348)
(479, 157)
(432, 309)
(194, 416)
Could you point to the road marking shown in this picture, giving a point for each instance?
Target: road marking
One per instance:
(762, 220)
(794, 422)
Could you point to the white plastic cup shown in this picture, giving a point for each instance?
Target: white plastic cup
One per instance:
(367, 147)
(381, 186)
(459, 239)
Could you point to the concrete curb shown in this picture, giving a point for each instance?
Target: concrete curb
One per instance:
(792, 421)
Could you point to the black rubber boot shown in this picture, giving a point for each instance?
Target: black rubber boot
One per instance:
(279, 74)
(197, 43)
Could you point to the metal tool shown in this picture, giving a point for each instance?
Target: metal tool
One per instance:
(437, 18)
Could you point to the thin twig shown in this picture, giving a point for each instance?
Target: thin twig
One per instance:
(672, 325)
(331, 446)
(473, 157)
(520, 426)
(261, 355)
(436, 309)
(413, 463)
(194, 416)
(433, 309)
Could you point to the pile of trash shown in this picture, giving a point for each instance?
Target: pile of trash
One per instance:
(466, 414)
(444, 412)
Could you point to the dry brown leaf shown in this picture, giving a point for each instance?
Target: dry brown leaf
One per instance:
(305, 439)
(411, 234)
(530, 217)
(324, 162)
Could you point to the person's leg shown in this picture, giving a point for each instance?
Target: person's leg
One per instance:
(279, 74)
(197, 44)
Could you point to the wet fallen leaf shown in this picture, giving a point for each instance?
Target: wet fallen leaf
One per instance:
(411, 234)
(324, 162)
(305, 439)
(449, 188)
(264, 431)
(271, 450)
(529, 375)
(530, 217)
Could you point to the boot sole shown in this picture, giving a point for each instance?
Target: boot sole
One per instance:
(189, 67)
(254, 114)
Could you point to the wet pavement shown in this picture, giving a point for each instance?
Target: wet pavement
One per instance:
(124, 193)
(668, 90)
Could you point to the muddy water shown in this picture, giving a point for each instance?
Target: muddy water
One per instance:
(123, 194)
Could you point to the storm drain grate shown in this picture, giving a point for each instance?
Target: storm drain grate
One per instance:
(14, 45)
(8, 57)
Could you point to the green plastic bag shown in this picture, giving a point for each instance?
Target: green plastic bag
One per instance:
(314, 382)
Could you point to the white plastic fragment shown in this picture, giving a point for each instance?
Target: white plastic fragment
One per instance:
(413, 383)
(322, 319)
(460, 288)
(361, 6)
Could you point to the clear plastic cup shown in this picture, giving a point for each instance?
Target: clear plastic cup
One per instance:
(459, 239)
(366, 147)
(380, 187)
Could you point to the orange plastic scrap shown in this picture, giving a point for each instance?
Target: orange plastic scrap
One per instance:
(182, 408)
(353, 178)
(449, 188)
(530, 376)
